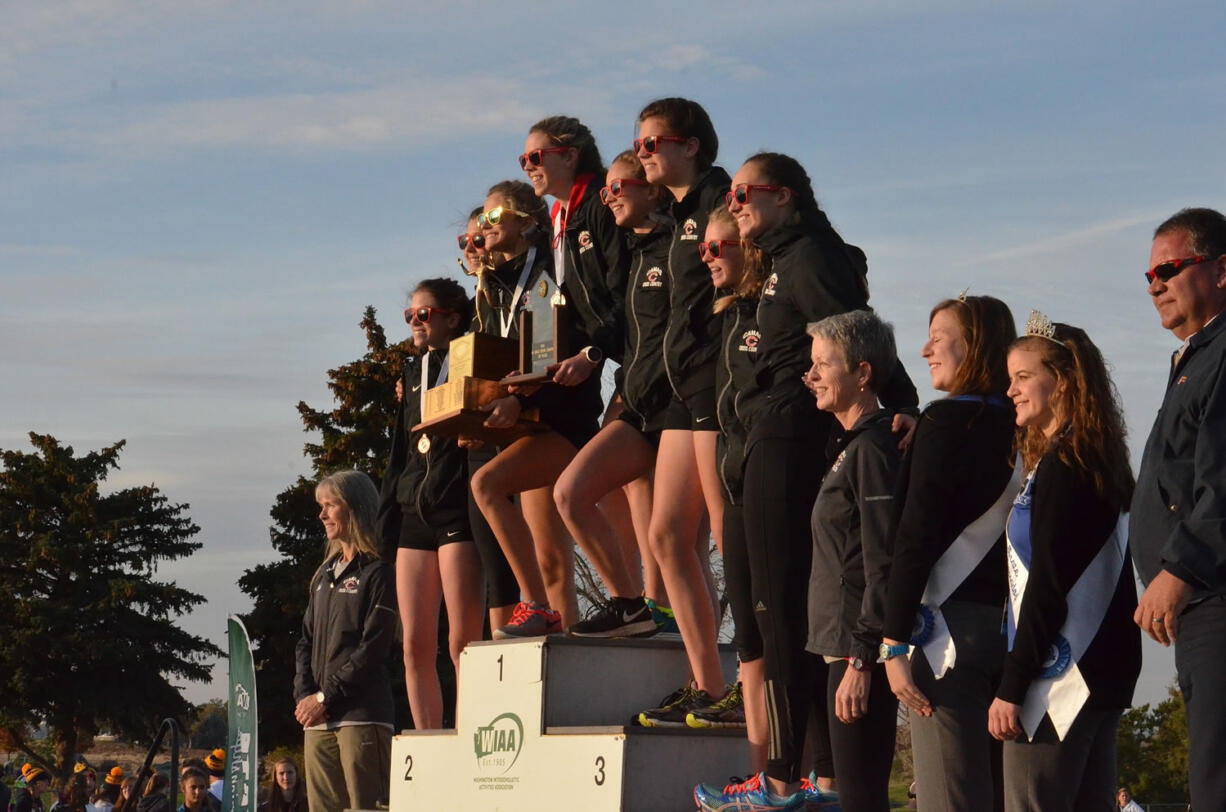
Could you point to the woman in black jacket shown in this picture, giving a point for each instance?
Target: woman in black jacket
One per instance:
(947, 598)
(621, 456)
(811, 273)
(436, 561)
(590, 260)
(851, 553)
(677, 144)
(341, 683)
(1074, 653)
(736, 306)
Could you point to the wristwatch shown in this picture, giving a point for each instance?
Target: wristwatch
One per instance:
(885, 652)
(592, 354)
(857, 664)
(319, 697)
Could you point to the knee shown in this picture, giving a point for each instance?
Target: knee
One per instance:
(418, 653)
(483, 484)
(665, 545)
(565, 496)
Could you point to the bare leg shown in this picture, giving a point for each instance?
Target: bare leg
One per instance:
(676, 515)
(616, 455)
(555, 552)
(527, 464)
(460, 572)
(638, 494)
(712, 490)
(418, 591)
(616, 510)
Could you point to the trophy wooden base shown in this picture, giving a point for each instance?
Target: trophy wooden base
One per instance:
(470, 423)
(523, 378)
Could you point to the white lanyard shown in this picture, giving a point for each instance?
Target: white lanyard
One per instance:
(559, 246)
(509, 319)
(439, 379)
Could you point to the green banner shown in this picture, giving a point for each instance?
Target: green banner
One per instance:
(242, 749)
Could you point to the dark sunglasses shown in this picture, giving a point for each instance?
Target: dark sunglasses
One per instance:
(616, 189)
(715, 248)
(741, 193)
(534, 157)
(423, 314)
(1168, 270)
(651, 143)
(478, 241)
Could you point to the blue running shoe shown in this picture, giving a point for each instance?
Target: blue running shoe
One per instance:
(666, 621)
(818, 800)
(751, 795)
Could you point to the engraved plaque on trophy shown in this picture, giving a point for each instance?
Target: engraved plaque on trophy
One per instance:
(476, 363)
(543, 324)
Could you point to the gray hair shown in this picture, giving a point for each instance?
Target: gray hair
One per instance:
(356, 490)
(861, 336)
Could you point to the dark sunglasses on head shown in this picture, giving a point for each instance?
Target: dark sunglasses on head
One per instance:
(715, 248)
(741, 193)
(617, 188)
(651, 143)
(535, 156)
(478, 241)
(423, 314)
(1168, 270)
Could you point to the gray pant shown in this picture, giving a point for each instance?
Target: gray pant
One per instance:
(957, 764)
(1200, 659)
(1077, 774)
(347, 768)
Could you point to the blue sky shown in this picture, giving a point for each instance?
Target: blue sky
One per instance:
(198, 199)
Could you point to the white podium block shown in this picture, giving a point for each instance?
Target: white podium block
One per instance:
(541, 725)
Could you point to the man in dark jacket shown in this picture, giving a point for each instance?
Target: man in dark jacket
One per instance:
(1178, 519)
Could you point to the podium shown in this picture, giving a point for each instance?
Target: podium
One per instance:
(543, 724)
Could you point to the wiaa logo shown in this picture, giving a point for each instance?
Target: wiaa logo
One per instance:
(499, 743)
(689, 229)
(749, 341)
(653, 278)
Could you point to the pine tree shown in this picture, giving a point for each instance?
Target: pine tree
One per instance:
(356, 433)
(90, 635)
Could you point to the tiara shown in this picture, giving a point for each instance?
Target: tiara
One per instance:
(1040, 326)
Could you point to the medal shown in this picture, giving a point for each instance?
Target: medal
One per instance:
(423, 444)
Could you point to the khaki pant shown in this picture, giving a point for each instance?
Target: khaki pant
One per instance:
(347, 768)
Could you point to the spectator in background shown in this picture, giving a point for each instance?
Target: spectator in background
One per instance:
(286, 790)
(154, 799)
(215, 763)
(76, 795)
(126, 788)
(196, 794)
(108, 791)
(1123, 800)
(83, 769)
(30, 797)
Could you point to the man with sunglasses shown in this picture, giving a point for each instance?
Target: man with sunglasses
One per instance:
(1177, 527)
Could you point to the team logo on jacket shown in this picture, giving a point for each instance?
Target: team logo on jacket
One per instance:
(585, 241)
(838, 461)
(654, 278)
(771, 282)
(350, 585)
(689, 229)
(749, 341)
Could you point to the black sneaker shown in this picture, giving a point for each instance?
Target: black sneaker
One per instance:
(668, 700)
(620, 617)
(674, 713)
(728, 712)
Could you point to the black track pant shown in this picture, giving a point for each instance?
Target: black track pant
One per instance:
(864, 749)
(782, 477)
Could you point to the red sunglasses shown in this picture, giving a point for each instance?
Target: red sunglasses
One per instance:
(534, 157)
(651, 143)
(478, 241)
(616, 189)
(741, 193)
(715, 248)
(423, 314)
(1168, 270)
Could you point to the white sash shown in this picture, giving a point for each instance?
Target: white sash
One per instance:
(955, 564)
(506, 321)
(1061, 691)
(441, 378)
